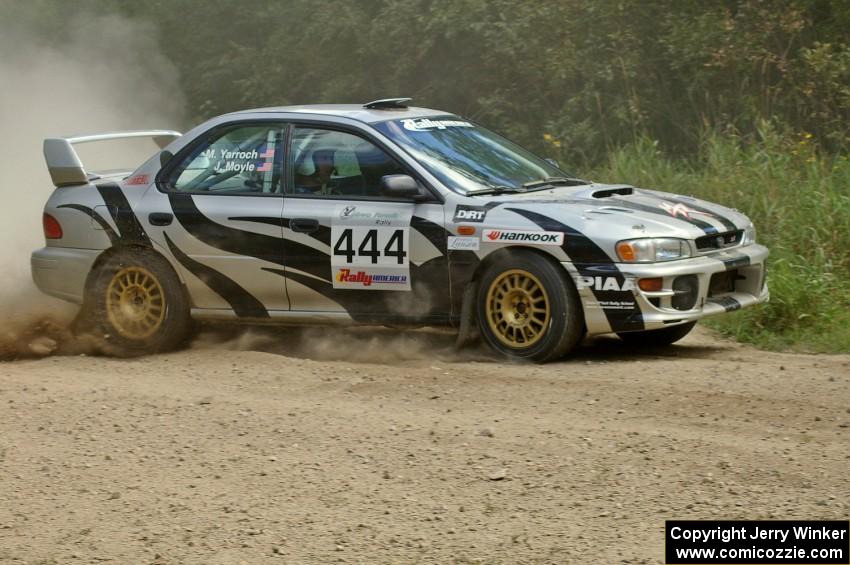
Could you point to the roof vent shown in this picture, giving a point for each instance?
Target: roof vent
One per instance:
(388, 104)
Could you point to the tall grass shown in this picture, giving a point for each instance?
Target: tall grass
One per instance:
(799, 201)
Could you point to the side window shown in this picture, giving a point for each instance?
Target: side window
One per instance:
(240, 160)
(335, 163)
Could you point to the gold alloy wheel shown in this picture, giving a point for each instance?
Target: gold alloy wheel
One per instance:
(135, 303)
(518, 310)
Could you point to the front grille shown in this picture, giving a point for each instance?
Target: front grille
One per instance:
(720, 240)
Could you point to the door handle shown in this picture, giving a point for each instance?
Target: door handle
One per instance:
(304, 225)
(160, 218)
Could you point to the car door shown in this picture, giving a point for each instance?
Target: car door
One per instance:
(350, 249)
(219, 204)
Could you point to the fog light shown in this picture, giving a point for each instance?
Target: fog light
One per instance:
(686, 288)
(651, 285)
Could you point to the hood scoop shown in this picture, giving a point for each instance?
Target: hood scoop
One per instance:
(618, 191)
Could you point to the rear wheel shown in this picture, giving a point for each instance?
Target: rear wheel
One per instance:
(528, 308)
(658, 338)
(138, 305)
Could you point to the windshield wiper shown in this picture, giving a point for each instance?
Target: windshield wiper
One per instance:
(496, 190)
(554, 181)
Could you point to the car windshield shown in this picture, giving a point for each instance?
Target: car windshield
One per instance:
(469, 158)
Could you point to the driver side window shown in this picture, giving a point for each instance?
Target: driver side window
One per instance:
(241, 160)
(334, 163)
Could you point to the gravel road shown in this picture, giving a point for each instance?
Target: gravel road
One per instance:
(374, 446)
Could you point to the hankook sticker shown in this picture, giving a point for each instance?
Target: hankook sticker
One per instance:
(516, 236)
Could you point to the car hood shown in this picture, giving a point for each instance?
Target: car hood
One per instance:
(615, 212)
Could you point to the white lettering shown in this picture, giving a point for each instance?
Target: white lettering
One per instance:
(231, 166)
(605, 283)
(240, 155)
(424, 124)
(538, 237)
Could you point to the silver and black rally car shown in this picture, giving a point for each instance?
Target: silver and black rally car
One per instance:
(381, 214)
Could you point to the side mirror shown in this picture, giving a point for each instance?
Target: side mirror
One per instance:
(402, 186)
(164, 157)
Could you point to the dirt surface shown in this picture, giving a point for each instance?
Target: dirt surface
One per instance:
(293, 447)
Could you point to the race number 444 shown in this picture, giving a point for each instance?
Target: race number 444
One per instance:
(365, 246)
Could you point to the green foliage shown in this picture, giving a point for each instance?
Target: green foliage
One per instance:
(800, 203)
(593, 74)
(587, 82)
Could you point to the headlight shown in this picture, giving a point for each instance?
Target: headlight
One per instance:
(653, 249)
(749, 235)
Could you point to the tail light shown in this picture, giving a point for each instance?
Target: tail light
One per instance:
(52, 229)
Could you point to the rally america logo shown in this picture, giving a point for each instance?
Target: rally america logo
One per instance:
(367, 279)
(470, 214)
(346, 276)
(514, 236)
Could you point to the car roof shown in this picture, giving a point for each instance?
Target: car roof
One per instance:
(352, 111)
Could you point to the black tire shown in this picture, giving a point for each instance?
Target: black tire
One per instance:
(658, 338)
(523, 332)
(150, 315)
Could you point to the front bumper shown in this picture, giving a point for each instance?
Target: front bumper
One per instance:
(691, 289)
(62, 271)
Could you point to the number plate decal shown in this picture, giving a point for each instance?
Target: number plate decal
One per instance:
(370, 247)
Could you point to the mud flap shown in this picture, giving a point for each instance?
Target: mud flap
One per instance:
(468, 333)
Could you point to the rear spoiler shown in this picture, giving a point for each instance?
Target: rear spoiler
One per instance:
(65, 166)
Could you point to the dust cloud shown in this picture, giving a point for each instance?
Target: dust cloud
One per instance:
(105, 73)
(97, 73)
(360, 344)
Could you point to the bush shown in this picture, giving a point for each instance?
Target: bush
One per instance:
(799, 201)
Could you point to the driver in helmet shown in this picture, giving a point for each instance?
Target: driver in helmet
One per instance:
(319, 181)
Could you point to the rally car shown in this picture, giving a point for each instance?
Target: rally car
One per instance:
(381, 214)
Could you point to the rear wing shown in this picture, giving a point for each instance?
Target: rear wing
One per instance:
(64, 164)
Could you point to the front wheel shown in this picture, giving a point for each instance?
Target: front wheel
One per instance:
(137, 304)
(528, 308)
(658, 338)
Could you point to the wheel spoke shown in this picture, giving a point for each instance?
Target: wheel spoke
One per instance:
(517, 308)
(135, 302)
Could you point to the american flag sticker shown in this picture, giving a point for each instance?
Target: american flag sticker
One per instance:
(267, 166)
(268, 153)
